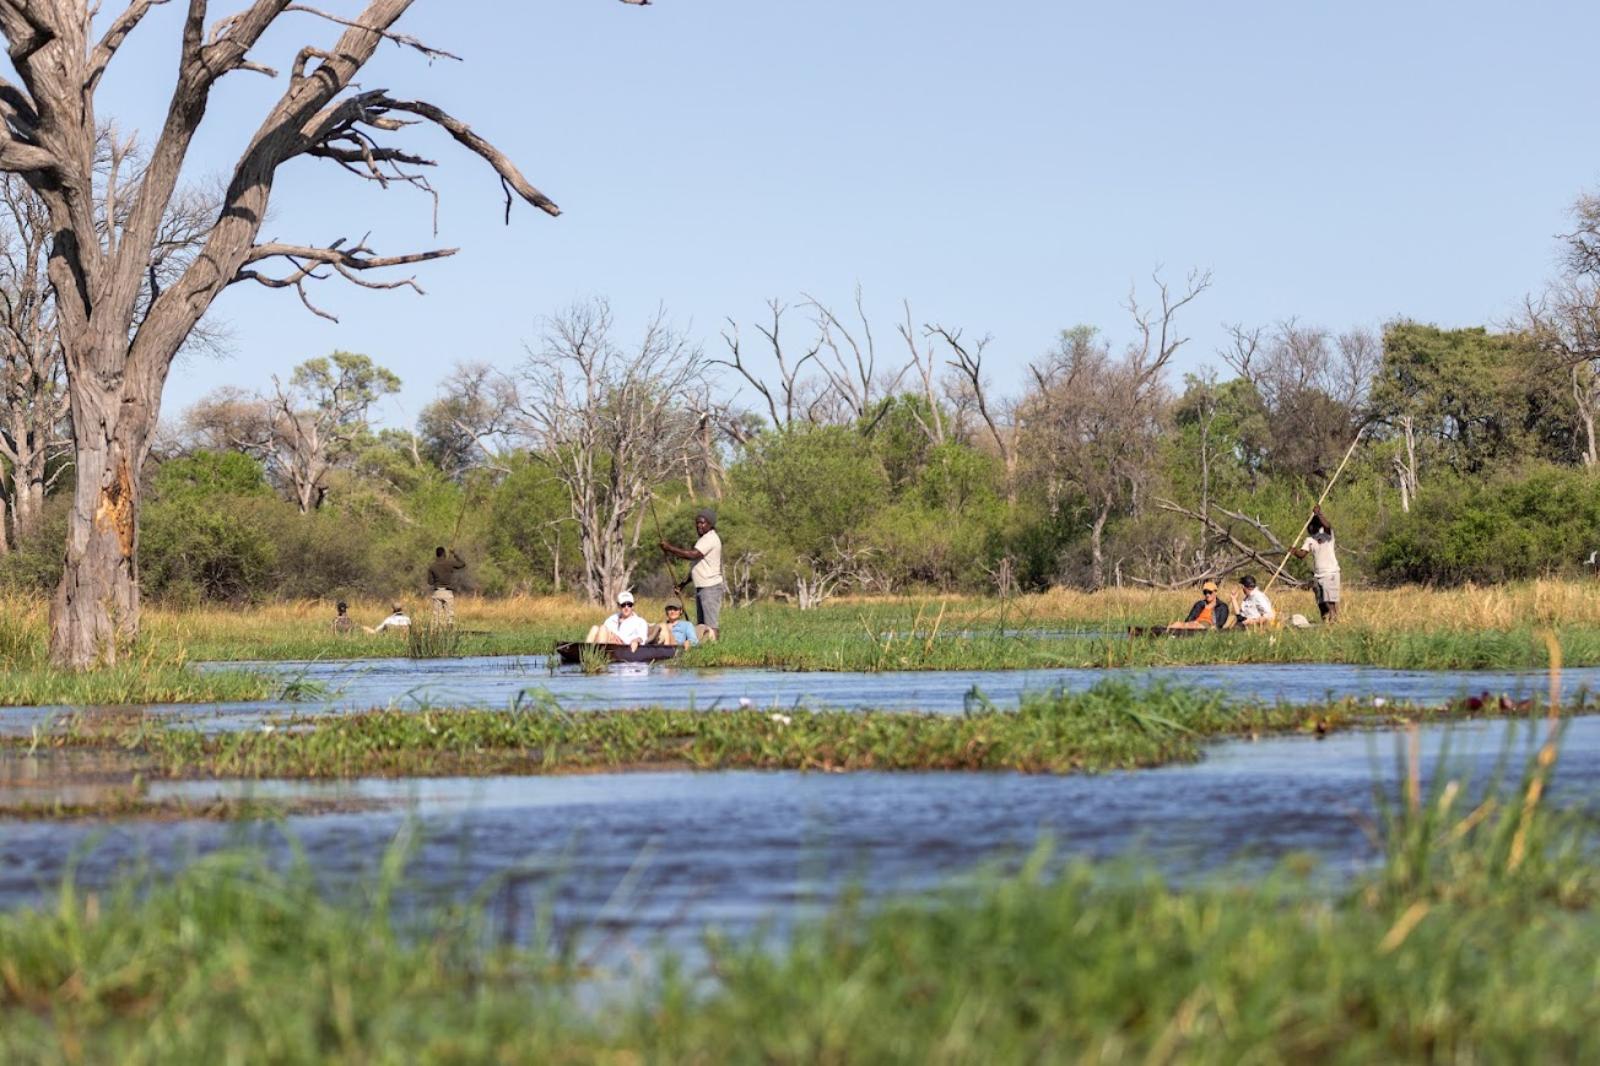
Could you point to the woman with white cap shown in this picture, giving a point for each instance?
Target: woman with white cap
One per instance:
(623, 627)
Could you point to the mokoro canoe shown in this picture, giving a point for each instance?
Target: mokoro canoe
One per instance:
(572, 652)
(1169, 631)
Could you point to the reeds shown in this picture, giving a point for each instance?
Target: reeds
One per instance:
(432, 639)
(1115, 725)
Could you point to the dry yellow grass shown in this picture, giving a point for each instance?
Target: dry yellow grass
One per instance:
(1409, 607)
(1405, 609)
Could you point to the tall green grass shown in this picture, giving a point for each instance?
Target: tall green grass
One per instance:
(1115, 725)
(1474, 941)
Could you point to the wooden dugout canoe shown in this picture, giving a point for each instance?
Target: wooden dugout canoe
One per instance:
(572, 652)
(1169, 631)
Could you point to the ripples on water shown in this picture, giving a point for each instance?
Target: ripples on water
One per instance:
(666, 854)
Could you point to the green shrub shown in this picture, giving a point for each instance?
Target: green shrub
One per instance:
(1539, 522)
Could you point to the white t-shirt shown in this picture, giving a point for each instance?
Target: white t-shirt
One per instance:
(707, 571)
(1256, 605)
(629, 629)
(398, 620)
(1322, 557)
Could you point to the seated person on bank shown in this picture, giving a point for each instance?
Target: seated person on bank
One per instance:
(624, 627)
(343, 624)
(1254, 609)
(397, 620)
(676, 629)
(1207, 613)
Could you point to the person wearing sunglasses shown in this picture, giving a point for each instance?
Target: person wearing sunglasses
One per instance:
(623, 627)
(1208, 612)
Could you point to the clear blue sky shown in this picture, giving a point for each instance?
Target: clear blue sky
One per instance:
(1009, 167)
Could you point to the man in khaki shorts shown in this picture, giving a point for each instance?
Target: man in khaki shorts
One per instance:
(706, 573)
(1324, 564)
(442, 581)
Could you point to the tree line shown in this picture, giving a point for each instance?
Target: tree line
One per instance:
(845, 456)
(838, 462)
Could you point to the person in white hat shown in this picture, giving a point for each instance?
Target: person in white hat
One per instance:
(623, 627)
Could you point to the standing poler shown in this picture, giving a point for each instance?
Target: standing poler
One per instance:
(706, 573)
(1324, 564)
(441, 584)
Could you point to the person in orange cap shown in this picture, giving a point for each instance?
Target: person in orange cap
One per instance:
(1207, 613)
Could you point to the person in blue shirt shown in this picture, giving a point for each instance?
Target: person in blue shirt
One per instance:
(676, 629)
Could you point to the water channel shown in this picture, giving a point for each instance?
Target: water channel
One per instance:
(658, 857)
(496, 683)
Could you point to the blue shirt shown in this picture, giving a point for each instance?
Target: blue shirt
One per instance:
(683, 632)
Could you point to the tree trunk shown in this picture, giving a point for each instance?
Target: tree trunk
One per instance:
(1097, 559)
(30, 499)
(5, 545)
(95, 613)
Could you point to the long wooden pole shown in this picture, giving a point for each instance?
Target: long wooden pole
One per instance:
(671, 569)
(1320, 500)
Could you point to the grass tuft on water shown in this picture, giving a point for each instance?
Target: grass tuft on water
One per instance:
(1483, 953)
(1114, 725)
(432, 640)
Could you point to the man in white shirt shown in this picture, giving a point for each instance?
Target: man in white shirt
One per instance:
(1254, 609)
(624, 627)
(706, 573)
(398, 619)
(1324, 563)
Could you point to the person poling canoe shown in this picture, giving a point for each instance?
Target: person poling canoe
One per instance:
(1324, 563)
(1209, 612)
(706, 573)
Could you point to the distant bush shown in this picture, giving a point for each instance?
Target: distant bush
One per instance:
(1538, 522)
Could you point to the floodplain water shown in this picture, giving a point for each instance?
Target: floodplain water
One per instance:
(646, 858)
(341, 686)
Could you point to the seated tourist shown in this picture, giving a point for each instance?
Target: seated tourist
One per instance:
(1208, 612)
(624, 627)
(1254, 609)
(676, 629)
(343, 624)
(397, 620)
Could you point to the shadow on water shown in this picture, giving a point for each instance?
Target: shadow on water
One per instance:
(650, 857)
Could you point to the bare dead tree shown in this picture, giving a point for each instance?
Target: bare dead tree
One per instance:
(610, 423)
(786, 399)
(317, 419)
(469, 424)
(973, 388)
(35, 430)
(118, 348)
(818, 577)
(927, 368)
(1093, 421)
(851, 365)
(1564, 323)
(300, 431)
(1218, 566)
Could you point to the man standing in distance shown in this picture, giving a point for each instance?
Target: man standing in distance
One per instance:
(442, 581)
(1324, 564)
(706, 573)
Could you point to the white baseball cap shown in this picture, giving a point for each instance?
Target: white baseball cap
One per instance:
(624, 597)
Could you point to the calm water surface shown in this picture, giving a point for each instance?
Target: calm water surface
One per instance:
(496, 682)
(652, 856)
